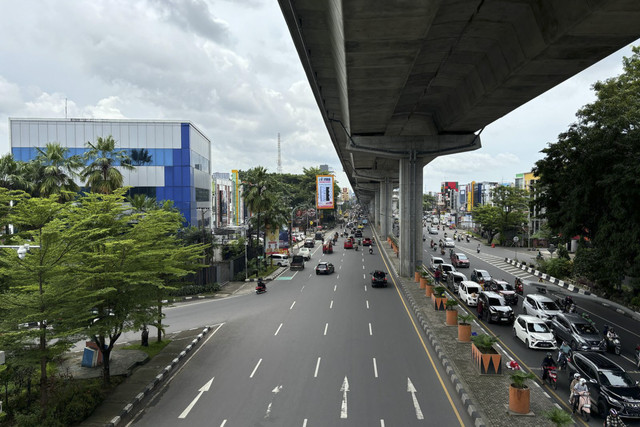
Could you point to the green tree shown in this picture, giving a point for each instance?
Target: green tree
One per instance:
(428, 203)
(12, 173)
(142, 203)
(52, 171)
(101, 174)
(590, 177)
(508, 213)
(489, 218)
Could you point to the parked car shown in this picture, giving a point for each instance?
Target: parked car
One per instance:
(297, 262)
(534, 332)
(480, 276)
(609, 384)
(445, 269)
(378, 278)
(309, 243)
(324, 268)
(507, 290)
(459, 260)
(435, 262)
(366, 241)
(348, 244)
(449, 242)
(493, 308)
(432, 230)
(453, 280)
(540, 306)
(468, 292)
(305, 252)
(281, 260)
(577, 332)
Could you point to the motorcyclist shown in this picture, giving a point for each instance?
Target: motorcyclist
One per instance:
(568, 302)
(547, 362)
(370, 250)
(613, 420)
(563, 353)
(611, 334)
(261, 285)
(478, 249)
(580, 387)
(572, 397)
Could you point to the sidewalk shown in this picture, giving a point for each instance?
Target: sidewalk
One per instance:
(486, 397)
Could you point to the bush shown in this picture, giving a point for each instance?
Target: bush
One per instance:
(559, 268)
(195, 290)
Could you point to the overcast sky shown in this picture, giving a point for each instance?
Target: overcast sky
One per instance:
(229, 67)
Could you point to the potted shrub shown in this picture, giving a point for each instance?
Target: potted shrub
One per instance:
(464, 327)
(485, 357)
(428, 286)
(424, 279)
(439, 298)
(519, 393)
(452, 312)
(418, 274)
(558, 417)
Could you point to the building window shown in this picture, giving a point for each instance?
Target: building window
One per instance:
(202, 194)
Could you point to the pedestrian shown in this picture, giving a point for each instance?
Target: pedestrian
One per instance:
(436, 275)
(478, 248)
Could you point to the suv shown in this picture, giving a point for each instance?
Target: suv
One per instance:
(309, 243)
(297, 262)
(480, 276)
(493, 308)
(503, 288)
(578, 332)
(459, 260)
(540, 306)
(609, 384)
(445, 269)
(435, 262)
(305, 252)
(453, 280)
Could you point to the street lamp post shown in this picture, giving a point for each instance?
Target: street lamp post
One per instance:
(246, 265)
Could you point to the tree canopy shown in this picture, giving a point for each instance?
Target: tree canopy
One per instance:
(589, 180)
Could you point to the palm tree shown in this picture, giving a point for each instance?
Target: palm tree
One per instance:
(12, 173)
(52, 171)
(101, 174)
(255, 195)
(142, 203)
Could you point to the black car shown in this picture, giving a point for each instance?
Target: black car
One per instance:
(577, 332)
(493, 308)
(609, 384)
(378, 278)
(325, 268)
(358, 233)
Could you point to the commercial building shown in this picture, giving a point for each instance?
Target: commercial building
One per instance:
(172, 158)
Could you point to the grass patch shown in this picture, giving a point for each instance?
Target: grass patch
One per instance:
(154, 348)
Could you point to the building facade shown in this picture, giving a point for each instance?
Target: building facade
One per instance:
(172, 159)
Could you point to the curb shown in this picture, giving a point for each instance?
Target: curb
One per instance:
(157, 380)
(466, 400)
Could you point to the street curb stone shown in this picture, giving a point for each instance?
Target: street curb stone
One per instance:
(157, 380)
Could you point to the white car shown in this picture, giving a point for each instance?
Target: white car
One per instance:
(435, 262)
(305, 252)
(540, 306)
(534, 332)
(432, 230)
(449, 242)
(468, 292)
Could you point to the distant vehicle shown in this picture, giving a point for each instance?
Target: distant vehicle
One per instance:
(480, 276)
(305, 252)
(494, 308)
(449, 242)
(453, 280)
(281, 260)
(348, 244)
(434, 221)
(505, 289)
(435, 261)
(460, 260)
(378, 278)
(534, 332)
(468, 292)
(540, 306)
(432, 230)
(309, 243)
(297, 262)
(366, 241)
(319, 236)
(358, 233)
(324, 268)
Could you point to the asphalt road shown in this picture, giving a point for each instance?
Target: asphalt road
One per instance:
(312, 351)
(492, 260)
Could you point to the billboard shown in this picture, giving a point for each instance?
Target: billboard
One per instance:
(324, 192)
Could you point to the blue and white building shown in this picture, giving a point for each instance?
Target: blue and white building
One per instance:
(172, 159)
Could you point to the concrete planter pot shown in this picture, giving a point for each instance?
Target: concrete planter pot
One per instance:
(464, 332)
(428, 290)
(417, 276)
(488, 361)
(423, 282)
(452, 317)
(519, 399)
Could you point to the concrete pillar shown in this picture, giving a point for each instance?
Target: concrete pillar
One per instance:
(376, 210)
(385, 208)
(410, 214)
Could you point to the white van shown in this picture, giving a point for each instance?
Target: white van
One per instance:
(281, 260)
(468, 292)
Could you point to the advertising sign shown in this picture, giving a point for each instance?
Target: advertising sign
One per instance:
(324, 192)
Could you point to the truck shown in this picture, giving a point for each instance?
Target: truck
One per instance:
(297, 263)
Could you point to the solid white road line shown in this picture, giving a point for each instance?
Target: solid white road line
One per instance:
(278, 330)
(255, 369)
(315, 374)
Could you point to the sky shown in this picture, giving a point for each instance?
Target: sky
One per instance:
(230, 68)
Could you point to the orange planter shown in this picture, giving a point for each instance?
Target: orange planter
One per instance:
(439, 303)
(423, 282)
(417, 277)
(428, 290)
(519, 399)
(452, 317)
(464, 333)
(487, 363)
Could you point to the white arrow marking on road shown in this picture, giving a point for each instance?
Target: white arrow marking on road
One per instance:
(192, 404)
(274, 391)
(344, 389)
(411, 389)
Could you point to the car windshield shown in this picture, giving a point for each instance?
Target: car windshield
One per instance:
(584, 329)
(494, 301)
(537, 327)
(447, 267)
(548, 305)
(506, 287)
(616, 379)
(462, 256)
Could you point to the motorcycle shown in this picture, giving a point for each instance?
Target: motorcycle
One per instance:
(261, 288)
(563, 359)
(467, 239)
(370, 250)
(638, 356)
(518, 286)
(584, 405)
(552, 377)
(613, 344)
(355, 247)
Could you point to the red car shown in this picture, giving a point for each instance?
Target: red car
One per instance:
(348, 244)
(366, 241)
(459, 260)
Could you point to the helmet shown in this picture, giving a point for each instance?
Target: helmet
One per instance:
(548, 354)
(613, 412)
(576, 375)
(583, 380)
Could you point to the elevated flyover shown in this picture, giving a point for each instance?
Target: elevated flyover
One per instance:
(401, 82)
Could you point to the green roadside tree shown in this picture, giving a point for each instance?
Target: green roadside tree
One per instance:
(101, 174)
(589, 178)
(52, 171)
(489, 218)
